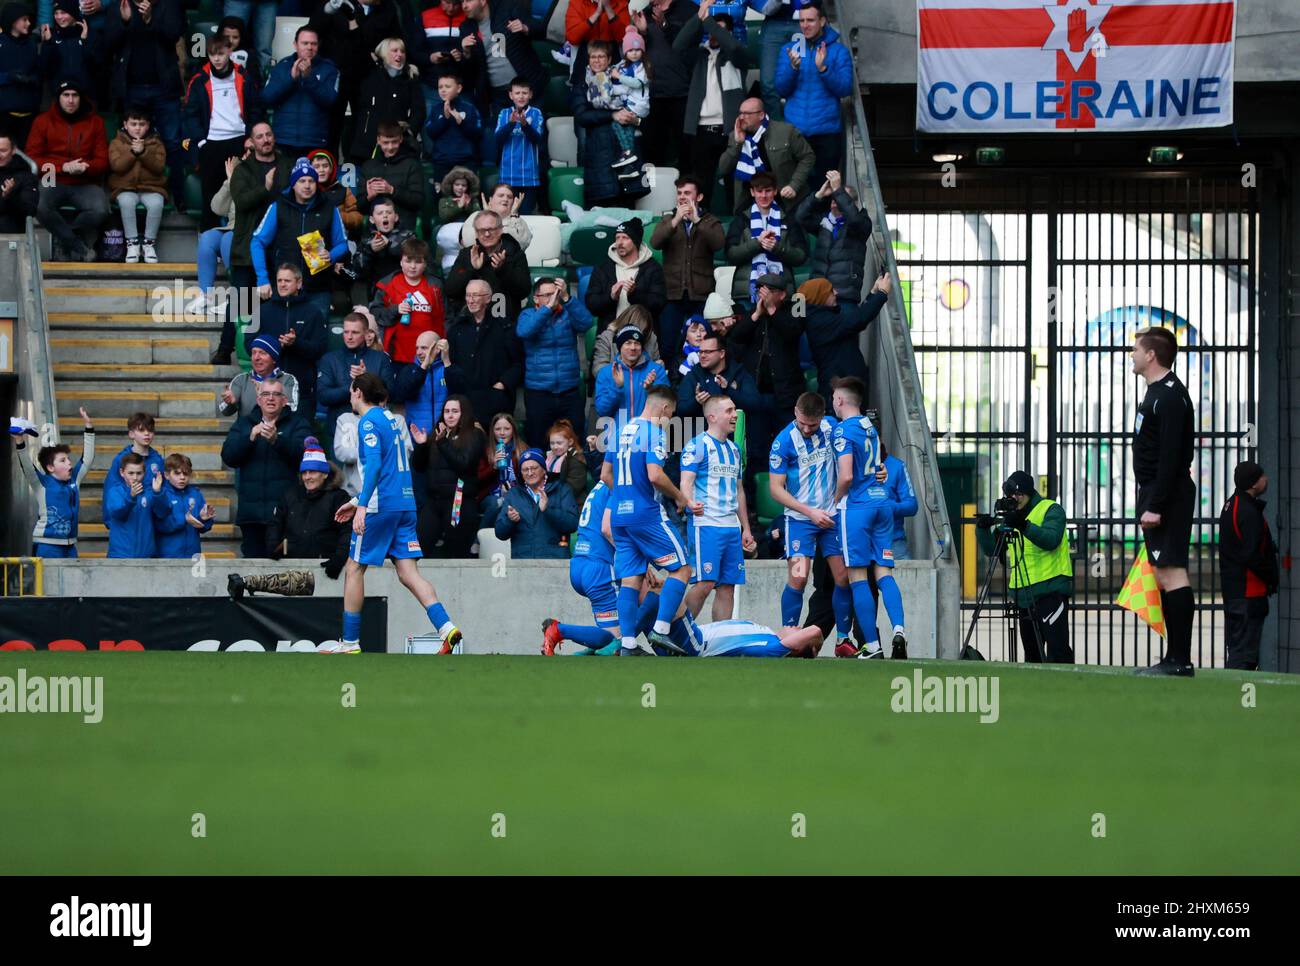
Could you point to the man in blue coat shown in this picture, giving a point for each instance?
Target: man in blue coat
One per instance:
(621, 386)
(812, 74)
(537, 517)
(301, 90)
(552, 373)
(340, 367)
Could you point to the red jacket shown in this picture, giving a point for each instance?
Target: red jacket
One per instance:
(578, 31)
(57, 139)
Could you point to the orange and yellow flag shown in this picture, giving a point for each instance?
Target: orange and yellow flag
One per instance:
(1141, 593)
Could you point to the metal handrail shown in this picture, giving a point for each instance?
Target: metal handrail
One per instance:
(891, 328)
(36, 335)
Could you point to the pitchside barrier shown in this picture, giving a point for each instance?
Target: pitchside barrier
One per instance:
(498, 604)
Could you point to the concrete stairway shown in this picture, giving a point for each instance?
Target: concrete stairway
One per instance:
(121, 343)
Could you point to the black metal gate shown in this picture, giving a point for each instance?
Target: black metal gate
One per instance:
(1025, 290)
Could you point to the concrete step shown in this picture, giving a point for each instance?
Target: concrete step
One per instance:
(149, 374)
(97, 531)
(94, 324)
(158, 270)
(202, 478)
(204, 451)
(213, 549)
(106, 348)
(76, 295)
(116, 426)
(177, 241)
(92, 507)
(193, 401)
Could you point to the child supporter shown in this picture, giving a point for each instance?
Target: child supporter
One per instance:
(334, 191)
(137, 162)
(519, 135)
(696, 329)
(130, 510)
(458, 197)
(187, 514)
(565, 459)
(379, 252)
(140, 432)
(454, 129)
(507, 446)
(408, 303)
(631, 77)
(56, 482)
(221, 106)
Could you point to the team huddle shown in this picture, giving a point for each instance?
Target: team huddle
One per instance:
(839, 491)
(840, 496)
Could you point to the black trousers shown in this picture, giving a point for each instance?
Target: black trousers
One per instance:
(244, 283)
(706, 147)
(254, 542)
(434, 524)
(542, 409)
(1051, 613)
(1245, 626)
(828, 154)
(821, 609)
(662, 131)
(212, 174)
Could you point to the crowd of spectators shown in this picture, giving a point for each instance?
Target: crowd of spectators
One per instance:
(379, 177)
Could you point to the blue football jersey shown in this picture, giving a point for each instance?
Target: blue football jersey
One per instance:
(635, 500)
(590, 542)
(385, 465)
(808, 464)
(858, 437)
(716, 465)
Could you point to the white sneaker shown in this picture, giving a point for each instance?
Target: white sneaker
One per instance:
(339, 647)
(132, 251)
(874, 654)
(150, 253)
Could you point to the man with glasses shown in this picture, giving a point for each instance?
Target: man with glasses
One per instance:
(758, 143)
(487, 361)
(266, 447)
(241, 395)
(715, 375)
(552, 372)
(495, 258)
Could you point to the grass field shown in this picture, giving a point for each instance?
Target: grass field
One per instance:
(589, 780)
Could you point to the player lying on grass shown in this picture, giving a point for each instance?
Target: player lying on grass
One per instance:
(383, 518)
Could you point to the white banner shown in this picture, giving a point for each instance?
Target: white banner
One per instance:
(988, 66)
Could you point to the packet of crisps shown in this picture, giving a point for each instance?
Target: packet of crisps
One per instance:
(314, 252)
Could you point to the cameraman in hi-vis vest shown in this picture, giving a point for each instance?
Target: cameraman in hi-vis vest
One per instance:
(1039, 572)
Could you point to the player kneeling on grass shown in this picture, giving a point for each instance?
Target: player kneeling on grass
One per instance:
(383, 518)
(56, 481)
(188, 514)
(642, 534)
(719, 537)
(867, 521)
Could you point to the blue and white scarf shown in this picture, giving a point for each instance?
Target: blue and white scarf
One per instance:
(763, 262)
(751, 162)
(833, 225)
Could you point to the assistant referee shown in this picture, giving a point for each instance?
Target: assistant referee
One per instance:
(1166, 496)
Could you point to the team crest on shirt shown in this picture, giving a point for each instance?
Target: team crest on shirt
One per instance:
(775, 461)
(840, 443)
(708, 568)
(371, 439)
(794, 546)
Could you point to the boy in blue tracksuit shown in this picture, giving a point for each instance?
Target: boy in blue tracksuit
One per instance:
(188, 514)
(130, 510)
(140, 431)
(56, 481)
(898, 485)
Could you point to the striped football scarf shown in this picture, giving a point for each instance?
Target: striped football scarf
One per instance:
(763, 262)
(833, 225)
(751, 162)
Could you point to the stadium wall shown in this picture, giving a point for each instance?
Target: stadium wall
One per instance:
(499, 605)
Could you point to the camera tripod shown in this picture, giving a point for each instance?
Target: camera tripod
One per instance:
(1004, 536)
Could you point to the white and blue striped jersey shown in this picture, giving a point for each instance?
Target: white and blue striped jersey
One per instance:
(385, 464)
(721, 638)
(808, 463)
(859, 437)
(716, 465)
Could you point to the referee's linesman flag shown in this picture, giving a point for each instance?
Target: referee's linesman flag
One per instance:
(1141, 593)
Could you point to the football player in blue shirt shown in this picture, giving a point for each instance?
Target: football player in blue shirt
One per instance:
(867, 520)
(642, 534)
(591, 574)
(719, 537)
(802, 479)
(383, 517)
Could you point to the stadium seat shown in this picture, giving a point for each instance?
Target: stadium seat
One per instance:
(561, 142)
(489, 546)
(768, 509)
(193, 201)
(488, 176)
(564, 187)
(285, 28)
(555, 103)
(739, 435)
(112, 123)
(448, 244)
(663, 193)
(589, 246)
(545, 248)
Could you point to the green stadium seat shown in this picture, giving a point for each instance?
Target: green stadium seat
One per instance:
(768, 509)
(589, 342)
(556, 101)
(112, 122)
(588, 246)
(193, 200)
(565, 187)
(810, 380)
(739, 434)
(488, 176)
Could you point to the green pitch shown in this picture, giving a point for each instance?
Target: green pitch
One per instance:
(564, 758)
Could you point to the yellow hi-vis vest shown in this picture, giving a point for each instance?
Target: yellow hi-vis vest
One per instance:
(1039, 564)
